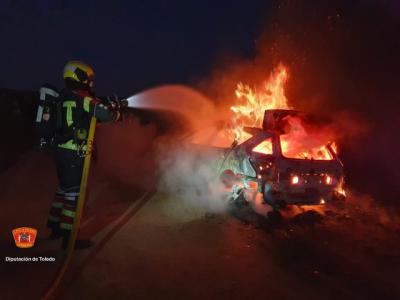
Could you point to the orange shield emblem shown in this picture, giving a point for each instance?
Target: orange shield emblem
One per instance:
(24, 237)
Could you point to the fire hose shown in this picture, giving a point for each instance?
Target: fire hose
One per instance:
(74, 234)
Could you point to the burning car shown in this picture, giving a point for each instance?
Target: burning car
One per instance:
(278, 154)
(283, 163)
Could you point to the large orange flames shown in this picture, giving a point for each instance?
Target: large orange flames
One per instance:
(252, 103)
(299, 141)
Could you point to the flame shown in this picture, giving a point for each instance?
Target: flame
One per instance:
(306, 143)
(252, 103)
(334, 147)
(341, 191)
(299, 141)
(264, 147)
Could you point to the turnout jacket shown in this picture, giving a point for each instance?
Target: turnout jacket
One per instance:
(77, 108)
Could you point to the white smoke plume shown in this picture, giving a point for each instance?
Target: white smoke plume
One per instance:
(184, 171)
(193, 177)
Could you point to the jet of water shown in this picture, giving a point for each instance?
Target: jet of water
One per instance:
(186, 101)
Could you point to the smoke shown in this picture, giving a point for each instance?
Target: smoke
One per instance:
(366, 209)
(192, 176)
(304, 135)
(185, 169)
(124, 152)
(153, 147)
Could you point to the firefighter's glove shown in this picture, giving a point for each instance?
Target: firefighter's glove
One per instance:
(119, 104)
(123, 103)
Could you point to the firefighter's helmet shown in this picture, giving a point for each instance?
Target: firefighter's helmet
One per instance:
(79, 72)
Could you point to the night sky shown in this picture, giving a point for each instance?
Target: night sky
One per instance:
(131, 44)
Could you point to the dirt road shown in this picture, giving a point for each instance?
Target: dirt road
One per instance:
(165, 250)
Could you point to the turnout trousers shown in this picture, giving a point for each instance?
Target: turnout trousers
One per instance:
(69, 167)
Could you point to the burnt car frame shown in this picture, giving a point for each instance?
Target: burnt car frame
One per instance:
(280, 180)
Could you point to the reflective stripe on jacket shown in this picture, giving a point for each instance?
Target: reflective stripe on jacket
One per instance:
(77, 109)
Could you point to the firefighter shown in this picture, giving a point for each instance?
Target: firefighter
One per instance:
(78, 105)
